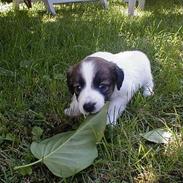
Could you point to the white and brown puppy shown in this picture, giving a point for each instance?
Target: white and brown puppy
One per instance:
(104, 76)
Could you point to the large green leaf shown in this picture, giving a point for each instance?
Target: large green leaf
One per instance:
(68, 153)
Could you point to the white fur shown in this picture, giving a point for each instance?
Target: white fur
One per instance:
(137, 74)
(88, 94)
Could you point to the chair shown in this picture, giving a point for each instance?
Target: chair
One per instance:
(131, 6)
(49, 4)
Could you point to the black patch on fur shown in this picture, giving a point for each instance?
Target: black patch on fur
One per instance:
(119, 77)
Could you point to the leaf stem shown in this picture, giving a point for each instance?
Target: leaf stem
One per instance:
(30, 164)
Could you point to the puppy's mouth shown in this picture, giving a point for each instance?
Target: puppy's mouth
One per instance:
(90, 113)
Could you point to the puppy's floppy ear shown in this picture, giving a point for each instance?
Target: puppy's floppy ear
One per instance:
(119, 77)
(70, 79)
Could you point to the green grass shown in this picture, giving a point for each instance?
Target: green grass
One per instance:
(36, 49)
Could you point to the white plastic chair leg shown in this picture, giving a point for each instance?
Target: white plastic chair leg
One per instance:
(104, 3)
(49, 5)
(131, 7)
(141, 4)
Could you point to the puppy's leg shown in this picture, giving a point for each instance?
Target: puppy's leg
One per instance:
(148, 88)
(116, 108)
(73, 110)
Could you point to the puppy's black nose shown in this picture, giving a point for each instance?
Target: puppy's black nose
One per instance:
(89, 107)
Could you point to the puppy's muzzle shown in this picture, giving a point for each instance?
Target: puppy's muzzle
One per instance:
(89, 107)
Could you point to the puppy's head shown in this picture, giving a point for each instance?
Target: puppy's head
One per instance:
(93, 82)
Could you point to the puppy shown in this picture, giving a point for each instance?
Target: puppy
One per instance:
(104, 76)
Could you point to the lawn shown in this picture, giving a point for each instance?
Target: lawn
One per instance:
(36, 49)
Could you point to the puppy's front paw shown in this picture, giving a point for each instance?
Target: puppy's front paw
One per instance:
(111, 120)
(72, 112)
(67, 112)
(148, 92)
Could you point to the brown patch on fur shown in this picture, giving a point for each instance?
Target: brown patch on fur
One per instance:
(106, 73)
(73, 76)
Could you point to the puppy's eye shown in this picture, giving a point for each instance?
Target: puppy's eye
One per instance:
(77, 89)
(103, 87)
